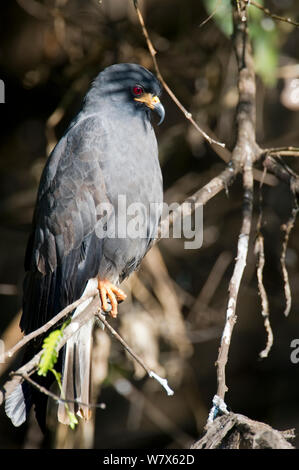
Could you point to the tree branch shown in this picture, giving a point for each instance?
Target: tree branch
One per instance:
(272, 15)
(30, 367)
(43, 329)
(287, 228)
(93, 309)
(200, 197)
(259, 251)
(282, 171)
(153, 53)
(243, 156)
(52, 395)
(235, 431)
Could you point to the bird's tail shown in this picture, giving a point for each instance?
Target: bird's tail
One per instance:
(17, 406)
(76, 372)
(24, 396)
(76, 375)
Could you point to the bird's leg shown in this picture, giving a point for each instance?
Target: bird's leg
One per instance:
(109, 291)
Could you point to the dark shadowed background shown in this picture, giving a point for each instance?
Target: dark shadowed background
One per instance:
(50, 52)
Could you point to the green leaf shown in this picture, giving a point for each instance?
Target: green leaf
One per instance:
(73, 420)
(49, 355)
(72, 417)
(48, 360)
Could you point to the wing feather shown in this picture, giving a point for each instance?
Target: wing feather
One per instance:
(63, 251)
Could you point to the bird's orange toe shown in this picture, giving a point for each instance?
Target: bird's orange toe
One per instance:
(114, 294)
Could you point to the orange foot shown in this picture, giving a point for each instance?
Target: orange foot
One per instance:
(109, 291)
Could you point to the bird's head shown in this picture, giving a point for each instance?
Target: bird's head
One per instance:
(130, 84)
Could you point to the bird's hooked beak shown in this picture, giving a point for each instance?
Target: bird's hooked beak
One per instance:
(154, 103)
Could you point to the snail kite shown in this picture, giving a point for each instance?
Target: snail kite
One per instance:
(109, 149)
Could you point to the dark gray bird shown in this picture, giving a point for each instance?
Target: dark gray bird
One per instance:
(108, 151)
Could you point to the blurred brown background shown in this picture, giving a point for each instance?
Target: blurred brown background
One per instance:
(50, 51)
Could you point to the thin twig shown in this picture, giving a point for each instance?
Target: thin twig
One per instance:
(31, 366)
(287, 151)
(279, 168)
(211, 15)
(52, 395)
(153, 53)
(43, 329)
(138, 359)
(200, 197)
(287, 228)
(272, 15)
(123, 343)
(259, 251)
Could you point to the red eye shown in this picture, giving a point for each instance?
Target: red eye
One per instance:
(137, 90)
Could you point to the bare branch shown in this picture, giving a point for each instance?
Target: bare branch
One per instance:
(235, 431)
(243, 156)
(272, 15)
(201, 197)
(31, 366)
(211, 15)
(123, 343)
(287, 228)
(55, 397)
(235, 281)
(259, 251)
(153, 53)
(150, 373)
(282, 171)
(287, 151)
(43, 329)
